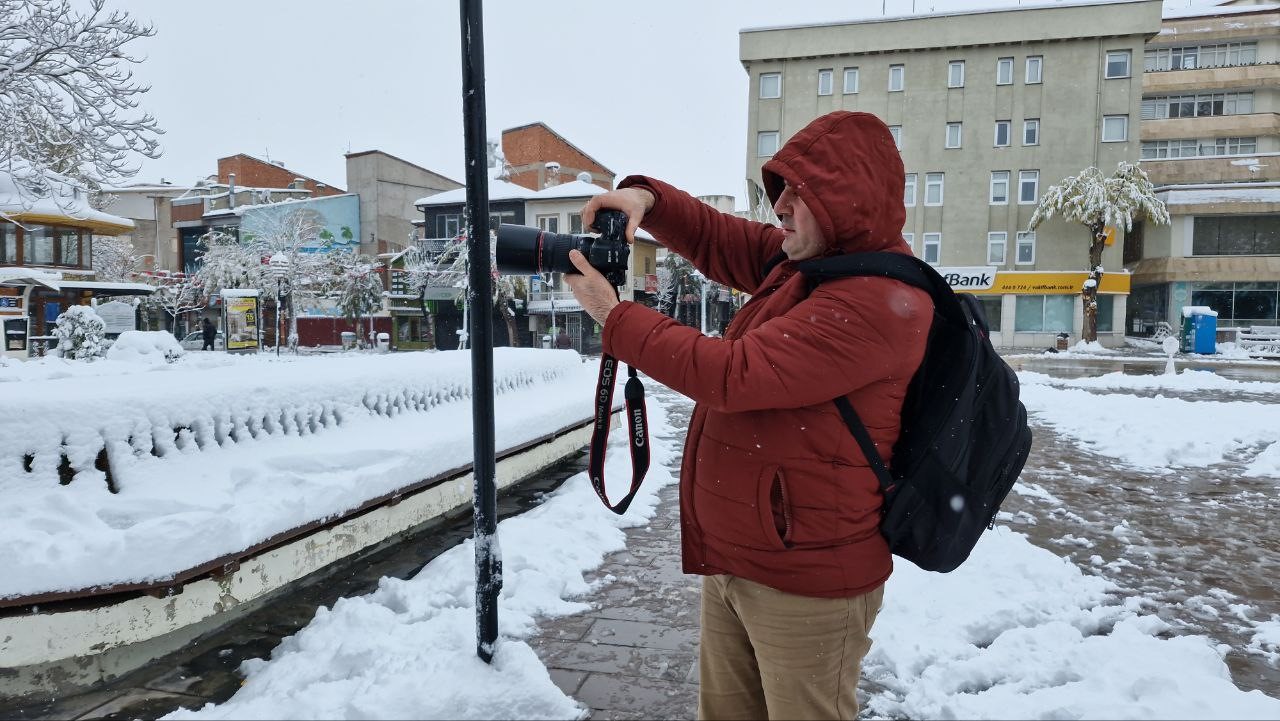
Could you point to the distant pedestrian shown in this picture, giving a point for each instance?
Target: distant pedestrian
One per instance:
(563, 341)
(210, 333)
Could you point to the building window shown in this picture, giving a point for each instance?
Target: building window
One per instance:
(1002, 133)
(1031, 131)
(996, 242)
(953, 135)
(1026, 251)
(897, 78)
(1201, 56)
(8, 244)
(1191, 148)
(37, 245)
(1035, 69)
(766, 143)
(1200, 105)
(575, 223)
(932, 248)
(771, 85)
(896, 132)
(448, 225)
(992, 308)
(999, 187)
(1115, 128)
(1118, 64)
(955, 74)
(825, 80)
(1028, 186)
(909, 195)
(910, 240)
(549, 223)
(933, 188)
(1235, 235)
(850, 81)
(1043, 313)
(1256, 303)
(1106, 313)
(1004, 71)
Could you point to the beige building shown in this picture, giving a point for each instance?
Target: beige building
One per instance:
(990, 108)
(1211, 140)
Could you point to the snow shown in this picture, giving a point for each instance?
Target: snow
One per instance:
(71, 203)
(1017, 632)
(29, 276)
(1223, 194)
(145, 346)
(215, 453)
(572, 189)
(498, 190)
(1190, 310)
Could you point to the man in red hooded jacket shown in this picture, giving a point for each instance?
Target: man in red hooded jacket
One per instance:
(779, 508)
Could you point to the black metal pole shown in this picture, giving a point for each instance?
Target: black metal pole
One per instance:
(485, 505)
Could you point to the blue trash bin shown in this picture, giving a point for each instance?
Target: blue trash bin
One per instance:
(1199, 330)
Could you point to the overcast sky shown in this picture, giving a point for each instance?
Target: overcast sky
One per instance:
(649, 87)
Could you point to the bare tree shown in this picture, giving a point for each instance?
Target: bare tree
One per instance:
(357, 284)
(425, 269)
(294, 232)
(225, 263)
(114, 260)
(1097, 203)
(67, 96)
(175, 294)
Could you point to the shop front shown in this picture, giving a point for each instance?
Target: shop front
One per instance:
(1031, 309)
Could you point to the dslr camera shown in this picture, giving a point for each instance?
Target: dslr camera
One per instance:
(525, 251)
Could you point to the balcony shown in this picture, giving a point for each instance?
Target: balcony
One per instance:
(1212, 126)
(1230, 169)
(1237, 77)
(561, 301)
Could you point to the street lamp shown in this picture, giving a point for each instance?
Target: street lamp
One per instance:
(279, 267)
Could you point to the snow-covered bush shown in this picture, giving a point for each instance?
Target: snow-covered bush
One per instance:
(146, 346)
(81, 333)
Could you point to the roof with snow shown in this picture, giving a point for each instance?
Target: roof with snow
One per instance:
(1043, 4)
(1243, 193)
(573, 189)
(68, 205)
(498, 190)
(16, 275)
(1214, 8)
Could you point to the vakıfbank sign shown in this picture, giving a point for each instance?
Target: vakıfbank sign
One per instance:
(986, 280)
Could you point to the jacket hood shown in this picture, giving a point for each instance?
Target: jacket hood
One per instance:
(847, 169)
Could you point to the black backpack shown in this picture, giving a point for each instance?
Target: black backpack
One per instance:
(964, 433)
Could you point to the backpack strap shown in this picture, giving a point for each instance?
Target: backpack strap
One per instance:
(859, 431)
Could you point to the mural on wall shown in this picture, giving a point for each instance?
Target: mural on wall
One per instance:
(333, 222)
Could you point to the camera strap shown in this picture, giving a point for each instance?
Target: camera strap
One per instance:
(637, 431)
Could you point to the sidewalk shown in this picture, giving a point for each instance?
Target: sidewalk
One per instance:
(635, 655)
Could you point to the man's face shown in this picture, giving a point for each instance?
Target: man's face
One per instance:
(802, 237)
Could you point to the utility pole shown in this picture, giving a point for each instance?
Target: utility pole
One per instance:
(485, 504)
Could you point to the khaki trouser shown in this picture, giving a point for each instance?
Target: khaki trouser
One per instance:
(766, 654)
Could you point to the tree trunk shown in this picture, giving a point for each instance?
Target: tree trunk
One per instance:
(1089, 294)
(429, 321)
(293, 326)
(510, 317)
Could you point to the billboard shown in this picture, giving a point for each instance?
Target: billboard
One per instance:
(333, 221)
(240, 322)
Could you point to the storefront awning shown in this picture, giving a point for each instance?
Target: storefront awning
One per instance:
(105, 288)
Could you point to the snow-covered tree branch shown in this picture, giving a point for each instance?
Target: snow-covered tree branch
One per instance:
(114, 260)
(1098, 202)
(67, 95)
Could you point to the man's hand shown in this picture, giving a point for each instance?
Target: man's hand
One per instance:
(635, 202)
(593, 291)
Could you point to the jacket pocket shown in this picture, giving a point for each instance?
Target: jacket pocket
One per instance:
(733, 505)
(778, 521)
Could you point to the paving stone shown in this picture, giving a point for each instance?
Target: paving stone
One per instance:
(656, 699)
(605, 658)
(568, 681)
(639, 634)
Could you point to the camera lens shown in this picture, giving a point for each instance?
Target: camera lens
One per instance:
(526, 251)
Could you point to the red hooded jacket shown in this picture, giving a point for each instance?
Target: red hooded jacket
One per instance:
(773, 486)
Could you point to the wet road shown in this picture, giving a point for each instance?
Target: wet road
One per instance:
(1202, 544)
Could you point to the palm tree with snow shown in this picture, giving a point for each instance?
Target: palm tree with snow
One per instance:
(1099, 202)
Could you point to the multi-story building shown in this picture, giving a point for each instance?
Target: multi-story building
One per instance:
(1211, 142)
(537, 156)
(989, 108)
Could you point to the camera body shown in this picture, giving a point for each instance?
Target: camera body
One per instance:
(522, 250)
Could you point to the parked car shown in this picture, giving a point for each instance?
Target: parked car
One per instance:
(195, 341)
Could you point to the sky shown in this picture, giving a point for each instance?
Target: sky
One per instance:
(654, 88)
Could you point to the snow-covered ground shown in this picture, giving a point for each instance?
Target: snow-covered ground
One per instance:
(1018, 632)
